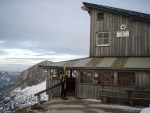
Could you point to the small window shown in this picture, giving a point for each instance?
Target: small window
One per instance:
(100, 16)
(106, 78)
(86, 77)
(126, 78)
(102, 39)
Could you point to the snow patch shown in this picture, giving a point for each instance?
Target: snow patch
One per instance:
(26, 96)
(115, 106)
(22, 98)
(92, 100)
(145, 110)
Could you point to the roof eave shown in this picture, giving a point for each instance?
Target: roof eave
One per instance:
(96, 68)
(122, 13)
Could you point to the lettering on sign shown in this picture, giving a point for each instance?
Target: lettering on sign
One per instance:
(122, 33)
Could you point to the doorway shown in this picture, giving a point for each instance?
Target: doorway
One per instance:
(71, 82)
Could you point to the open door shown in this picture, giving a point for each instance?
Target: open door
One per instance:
(71, 83)
(54, 79)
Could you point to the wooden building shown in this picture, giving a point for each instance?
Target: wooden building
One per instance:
(118, 66)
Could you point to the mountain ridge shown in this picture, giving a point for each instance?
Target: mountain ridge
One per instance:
(29, 77)
(33, 75)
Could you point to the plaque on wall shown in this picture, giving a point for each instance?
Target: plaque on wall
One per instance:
(122, 33)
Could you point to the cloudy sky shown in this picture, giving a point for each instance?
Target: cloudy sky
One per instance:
(35, 30)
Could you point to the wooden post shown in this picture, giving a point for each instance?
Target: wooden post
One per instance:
(38, 97)
(48, 73)
(77, 81)
(115, 78)
(70, 73)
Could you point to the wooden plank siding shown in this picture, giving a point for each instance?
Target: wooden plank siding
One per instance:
(137, 44)
(139, 81)
(116, 86)
(142, 80)
(91, 91)
(49, 83)
(56, 91)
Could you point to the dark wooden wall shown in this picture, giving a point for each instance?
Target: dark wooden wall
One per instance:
(137, 44)
(51, 82)
(143, 80)
(112, 82)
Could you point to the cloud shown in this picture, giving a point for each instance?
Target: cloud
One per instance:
(2, 52)
(50, 24)
(2, 41)
(14, 67)
(28, 57)
(28, 44)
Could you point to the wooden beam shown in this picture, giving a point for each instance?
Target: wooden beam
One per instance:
(47, 89)
(115, 78)
(70, 73)
(38, 98)
(38, 94)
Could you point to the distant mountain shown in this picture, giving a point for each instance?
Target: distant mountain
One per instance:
(7, 79)
(21, 94)
(32, 76)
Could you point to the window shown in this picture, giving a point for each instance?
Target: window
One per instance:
(102, 39)
(126, 78)
(106, 78)
(86, 77)
(100, 16)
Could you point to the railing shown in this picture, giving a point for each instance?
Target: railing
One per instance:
(39, 93)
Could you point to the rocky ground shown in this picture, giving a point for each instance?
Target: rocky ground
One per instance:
(73, 105)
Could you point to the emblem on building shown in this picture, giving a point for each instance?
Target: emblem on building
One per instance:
(123, 32)
(123, 27)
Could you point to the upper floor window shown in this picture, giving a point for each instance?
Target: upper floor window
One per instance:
(100, 16)
(102, 39)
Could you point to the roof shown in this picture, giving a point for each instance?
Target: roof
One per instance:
(134, 14)
(111, 63)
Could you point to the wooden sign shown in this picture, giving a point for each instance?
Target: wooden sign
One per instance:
(122, 33)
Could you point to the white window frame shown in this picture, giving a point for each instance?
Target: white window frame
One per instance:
(97, 44)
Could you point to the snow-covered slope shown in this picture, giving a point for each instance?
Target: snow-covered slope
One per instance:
(21, 98)
(7, 79)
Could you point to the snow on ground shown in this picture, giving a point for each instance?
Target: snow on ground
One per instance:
(145, 110)
(26, 96)
(92, 100)
(98, 103)
(21, 98)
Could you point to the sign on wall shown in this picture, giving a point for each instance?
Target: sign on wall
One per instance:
(122, 33)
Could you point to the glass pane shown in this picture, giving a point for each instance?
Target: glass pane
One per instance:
(105, 41)
(106, 35)
(102, 38)
(100, 16)
(100, 42)
(100, 35)
(85, 77)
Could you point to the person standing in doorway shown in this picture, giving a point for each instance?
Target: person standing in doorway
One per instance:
(63, 80)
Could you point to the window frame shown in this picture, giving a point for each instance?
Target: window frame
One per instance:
(100, 15)
(127, 76)
(103, 39)
(85, 78)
